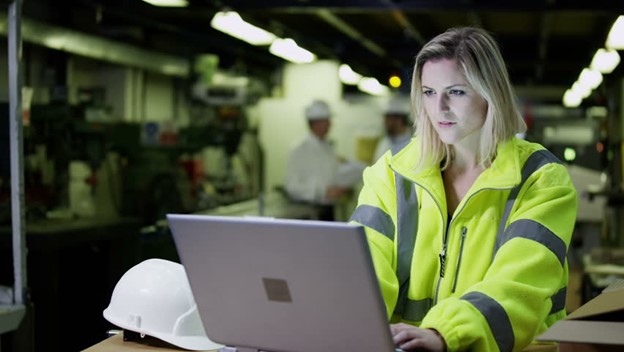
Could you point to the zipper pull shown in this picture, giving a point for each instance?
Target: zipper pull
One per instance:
(442, 256)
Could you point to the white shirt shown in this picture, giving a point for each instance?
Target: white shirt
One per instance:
(313, 166)
(387, 143)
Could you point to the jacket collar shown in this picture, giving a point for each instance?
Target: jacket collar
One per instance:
(505, 171)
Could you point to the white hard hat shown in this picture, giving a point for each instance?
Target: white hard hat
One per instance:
(154, 298)
(398, 106)
(318, 110)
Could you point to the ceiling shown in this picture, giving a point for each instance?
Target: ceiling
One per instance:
(545, 43)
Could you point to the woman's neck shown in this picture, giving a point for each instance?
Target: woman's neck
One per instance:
(459, 177)
(463, 160)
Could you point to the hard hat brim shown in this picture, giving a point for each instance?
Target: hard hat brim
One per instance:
(194, 343)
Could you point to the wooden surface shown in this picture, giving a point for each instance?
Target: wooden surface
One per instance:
(541, 348)
(117, 344)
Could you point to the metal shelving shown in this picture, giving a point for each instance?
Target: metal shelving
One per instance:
(12, 314)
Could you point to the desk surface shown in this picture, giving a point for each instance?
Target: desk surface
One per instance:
(117, 344)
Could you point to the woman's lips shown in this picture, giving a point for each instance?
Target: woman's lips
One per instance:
(445, 124)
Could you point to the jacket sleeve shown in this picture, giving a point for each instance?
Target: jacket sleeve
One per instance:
(511, 305)
(373, 212)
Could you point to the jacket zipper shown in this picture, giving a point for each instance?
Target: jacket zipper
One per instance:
(442, 257)
(442, 254)
(461, 251)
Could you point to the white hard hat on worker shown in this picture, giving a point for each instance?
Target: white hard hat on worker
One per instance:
(317, 110)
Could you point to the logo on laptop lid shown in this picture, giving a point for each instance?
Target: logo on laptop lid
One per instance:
(276, 290)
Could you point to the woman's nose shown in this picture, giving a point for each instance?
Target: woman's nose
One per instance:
(443, 105)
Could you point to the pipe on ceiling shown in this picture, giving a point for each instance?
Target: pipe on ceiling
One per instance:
(351, 32)
(82, 44)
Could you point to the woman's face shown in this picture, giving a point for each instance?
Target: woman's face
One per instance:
(455, 109)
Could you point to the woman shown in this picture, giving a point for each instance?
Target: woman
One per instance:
(468, 225)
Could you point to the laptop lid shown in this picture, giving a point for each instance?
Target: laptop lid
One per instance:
(283, 285)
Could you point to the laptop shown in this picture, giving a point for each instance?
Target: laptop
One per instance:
(283, 285)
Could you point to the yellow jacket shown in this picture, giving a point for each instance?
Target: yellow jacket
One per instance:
(492, 276)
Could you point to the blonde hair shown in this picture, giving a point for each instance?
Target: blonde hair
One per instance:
(479, 58)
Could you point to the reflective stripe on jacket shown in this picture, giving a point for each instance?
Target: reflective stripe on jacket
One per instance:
(491, 277)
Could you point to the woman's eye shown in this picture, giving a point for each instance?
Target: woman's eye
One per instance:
(428, 92)
(457, 92)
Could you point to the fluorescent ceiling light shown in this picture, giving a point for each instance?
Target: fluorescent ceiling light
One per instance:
(605, 61)
(231, 23)
(289, 50)
(615, 39)
(583, 90)
(347, 75)
(571, 99)
(590, 78)
(372, 86)
(168, 3)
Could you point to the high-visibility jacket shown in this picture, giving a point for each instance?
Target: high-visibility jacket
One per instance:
(492, 275)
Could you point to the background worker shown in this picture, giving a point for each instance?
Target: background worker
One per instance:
(398, 127)
(314, 172)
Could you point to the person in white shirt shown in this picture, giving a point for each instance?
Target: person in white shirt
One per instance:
(314, 172)
(398, 127)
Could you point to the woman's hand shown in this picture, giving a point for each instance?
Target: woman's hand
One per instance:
(409, 337)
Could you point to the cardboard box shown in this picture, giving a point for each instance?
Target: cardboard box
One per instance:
(598, 325)
(541, 348)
